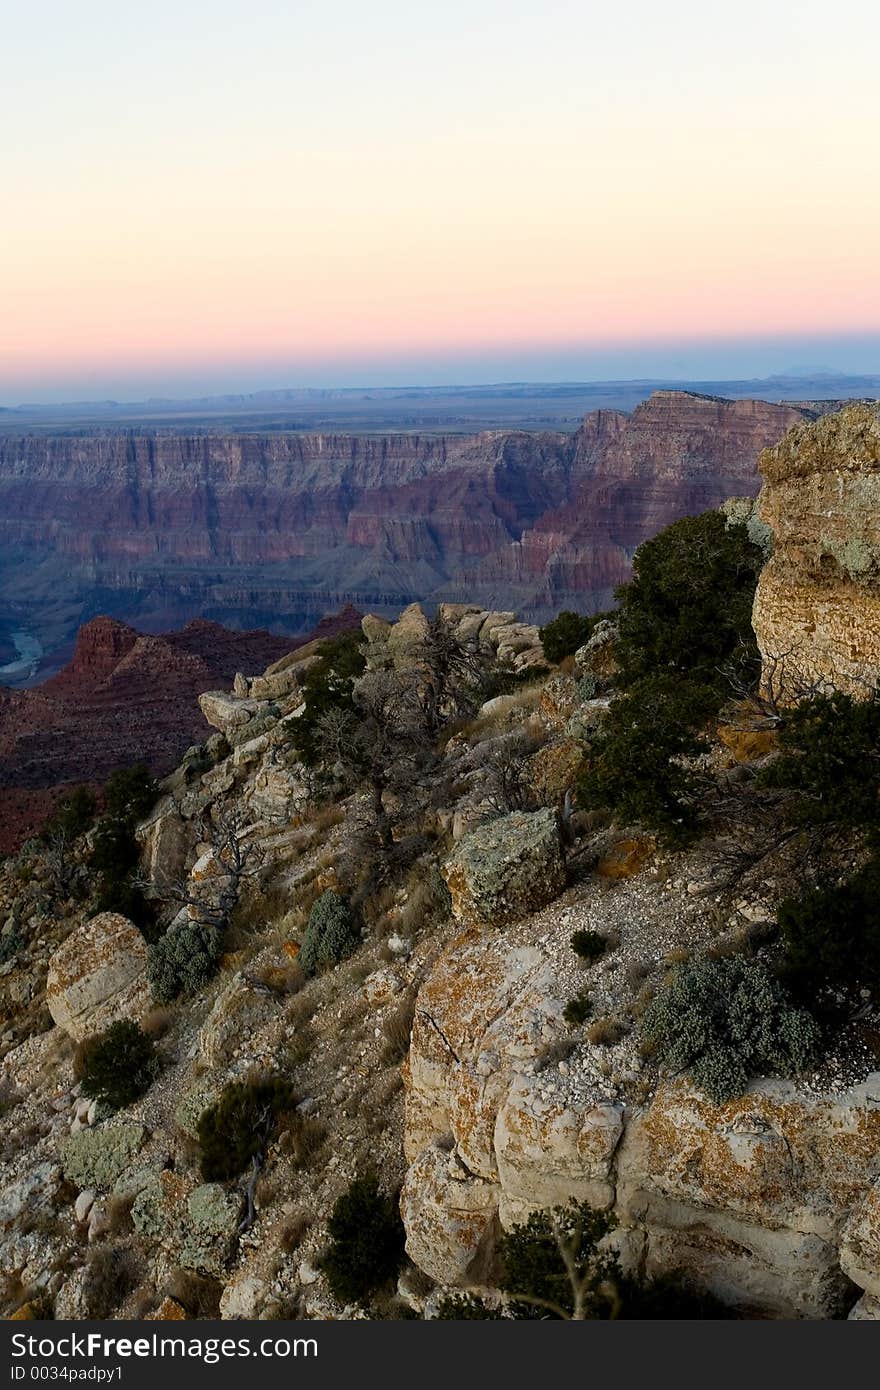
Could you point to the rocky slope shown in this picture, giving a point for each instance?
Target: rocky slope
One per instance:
(276, 530)
(124, 698)
(768, 1201)
(817, 610)
(443, 1050)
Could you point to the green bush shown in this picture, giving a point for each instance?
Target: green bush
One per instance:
(577, 1010)
(74, 813)
(118, 1065)
(589, 945)
(636, 766)
(830, 757)
(130, 794)
(183, 960)
(726, 1021)
(239, 1124)
(328, 685)
(565, 633)
(366, 1241)
(688, 607)
(832, 937)
(534, 1273)
(460, 1307)
(331, 935)
(114, 848)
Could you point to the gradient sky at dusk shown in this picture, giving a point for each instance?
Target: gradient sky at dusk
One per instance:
(213, 195)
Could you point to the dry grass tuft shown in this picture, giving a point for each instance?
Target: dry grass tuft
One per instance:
(292, 1230)
(198, 1294)
(605, 1031)
(397, 1030)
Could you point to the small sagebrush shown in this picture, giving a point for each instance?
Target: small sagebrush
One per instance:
(239, 1124)
(183, 960)
(366, 1241)
(588, 945)
(577, 1010)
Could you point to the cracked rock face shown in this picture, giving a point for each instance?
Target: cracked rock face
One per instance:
(770, 1201)
(817, 608)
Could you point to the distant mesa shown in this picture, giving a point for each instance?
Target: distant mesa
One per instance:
(124, 698)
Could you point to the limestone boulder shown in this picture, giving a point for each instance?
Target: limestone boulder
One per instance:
(756, 1195)
(410, 629)
(237, 1011)
(374, 628)
(860, 1243)
(553, 770)
(558, 701)
(228, 712)
(450, 1218)
(165, 840)
(506, 868)
(492, 628)
(549, 1151)
(98, 975)
(771, 1201)
(97, 1158)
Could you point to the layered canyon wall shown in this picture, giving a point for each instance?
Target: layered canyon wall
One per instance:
(158, 528)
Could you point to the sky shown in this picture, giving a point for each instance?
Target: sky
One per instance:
(225, 195)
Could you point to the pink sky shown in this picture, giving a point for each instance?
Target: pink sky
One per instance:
(277, 187)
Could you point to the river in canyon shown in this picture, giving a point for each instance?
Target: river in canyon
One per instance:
(28, 655)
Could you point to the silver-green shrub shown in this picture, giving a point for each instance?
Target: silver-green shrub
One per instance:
(726, 1021)
(331, 935)
(183, 960)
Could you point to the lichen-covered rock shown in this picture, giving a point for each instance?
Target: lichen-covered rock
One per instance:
(33, 1192)
(817, 606)
(757, 1191)
(156, 1209)
(97, 1157)
(506, 868)
(209, 1229)
(165, 840)
(744, 511)
(450, 1218)
(169, 1310)
(597, 659)
(97, 976)
(552, 771)
(558, 701)
(410, 629)
(549, 1152)
(193, 1104)
(374, 628)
